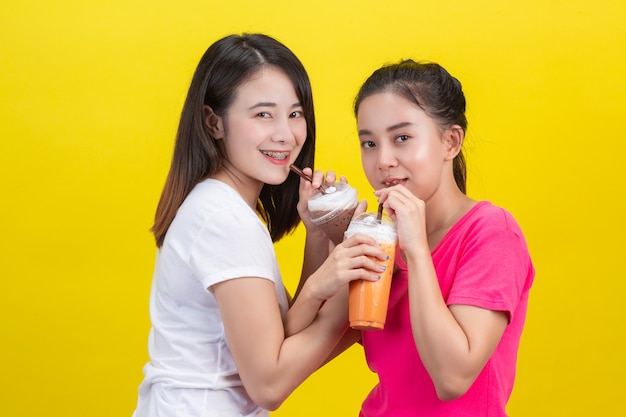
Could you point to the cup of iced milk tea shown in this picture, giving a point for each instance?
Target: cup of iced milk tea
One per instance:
(369, 299)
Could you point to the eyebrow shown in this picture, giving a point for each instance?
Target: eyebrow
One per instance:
(365, 132)
(270, 104)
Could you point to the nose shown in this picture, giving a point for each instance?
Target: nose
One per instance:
(283, 131)
(386, 157)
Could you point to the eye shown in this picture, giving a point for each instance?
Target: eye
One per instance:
(367, 144)
(263, 115)
(402, 138)
(296, 114)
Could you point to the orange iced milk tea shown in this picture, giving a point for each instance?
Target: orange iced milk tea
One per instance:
(369, 299)
(333, 209)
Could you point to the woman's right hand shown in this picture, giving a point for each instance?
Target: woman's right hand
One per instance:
(307, 189)
(354, 258)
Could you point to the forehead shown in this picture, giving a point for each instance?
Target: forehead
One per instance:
(267, 82)
(388, 107)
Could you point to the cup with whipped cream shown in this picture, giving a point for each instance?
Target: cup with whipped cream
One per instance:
(332, 209)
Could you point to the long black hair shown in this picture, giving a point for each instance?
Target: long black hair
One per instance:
(226, 64)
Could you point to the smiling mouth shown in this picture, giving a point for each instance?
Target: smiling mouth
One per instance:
(391, 183)
(276, 155)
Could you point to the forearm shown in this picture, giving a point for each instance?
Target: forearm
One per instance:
(301, 313)
(349, 338)
(324, 334)
(316, 251)
(336, 309)
(298, 357)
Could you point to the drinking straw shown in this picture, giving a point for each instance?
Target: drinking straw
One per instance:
(379, 215)
(306, 177)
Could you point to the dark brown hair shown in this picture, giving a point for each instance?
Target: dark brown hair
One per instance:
(432, 89)
(226, 65)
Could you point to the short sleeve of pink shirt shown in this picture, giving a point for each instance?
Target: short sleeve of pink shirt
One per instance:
(483, 261)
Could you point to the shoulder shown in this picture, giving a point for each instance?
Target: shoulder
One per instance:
(212, 194)
(213, 208)
(487, 227)
(212, 198)
(487, 217)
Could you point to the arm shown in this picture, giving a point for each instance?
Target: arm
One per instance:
(271, 364)
(350, 337)
(339, 310)
(350, 260)
(454, 342)
(317, 248)
(317, 244)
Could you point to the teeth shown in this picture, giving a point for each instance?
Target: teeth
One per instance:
(276, 155)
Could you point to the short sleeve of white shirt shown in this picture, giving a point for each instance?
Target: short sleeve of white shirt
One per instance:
(232, 243)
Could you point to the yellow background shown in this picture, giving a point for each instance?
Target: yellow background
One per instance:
(91, 93)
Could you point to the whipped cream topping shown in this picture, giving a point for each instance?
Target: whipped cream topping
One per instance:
(366, 223)
(343, 197)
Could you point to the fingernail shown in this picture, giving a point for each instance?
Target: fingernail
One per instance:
(378, 277)
(386, 257)
(383, 268)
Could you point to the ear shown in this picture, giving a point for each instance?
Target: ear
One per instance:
(453, 139)
(213, 123)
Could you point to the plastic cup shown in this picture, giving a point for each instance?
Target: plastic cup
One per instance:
(368, 300)
(333, 210)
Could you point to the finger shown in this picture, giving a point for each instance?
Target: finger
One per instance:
(363, 245)
(358, 239)
(364, 274)
(360, 208)
(304, 183)
(381, 192)
(373, 252)
(370, 264)
(331, 176)
(318, 178)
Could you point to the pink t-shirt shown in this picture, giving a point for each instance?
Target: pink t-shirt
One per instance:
(482, 261)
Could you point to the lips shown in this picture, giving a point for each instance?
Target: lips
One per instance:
(390, 182)
(281, 156)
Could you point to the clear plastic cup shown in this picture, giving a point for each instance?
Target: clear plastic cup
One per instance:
(333, 209)
(368, 300)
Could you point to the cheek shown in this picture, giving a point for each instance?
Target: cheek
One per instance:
(299, 133)
(368, 161)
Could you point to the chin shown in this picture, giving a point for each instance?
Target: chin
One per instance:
(275, 181)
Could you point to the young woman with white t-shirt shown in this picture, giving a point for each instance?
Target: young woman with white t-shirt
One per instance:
(224, 339)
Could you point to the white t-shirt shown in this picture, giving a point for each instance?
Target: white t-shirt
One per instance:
(214, 237)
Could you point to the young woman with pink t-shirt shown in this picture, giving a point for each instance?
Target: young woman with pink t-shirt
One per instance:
(463, 272)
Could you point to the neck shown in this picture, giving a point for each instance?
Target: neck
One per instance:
(443, 213)
(248, 189)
